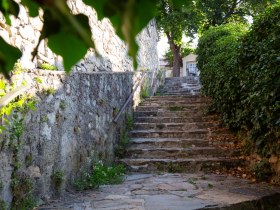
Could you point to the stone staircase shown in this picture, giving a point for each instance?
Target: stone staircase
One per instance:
(181, 86)
(172, 134)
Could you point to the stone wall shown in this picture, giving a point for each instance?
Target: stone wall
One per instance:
(71, 126)
(25, 32)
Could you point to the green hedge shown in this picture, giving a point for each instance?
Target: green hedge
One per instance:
(217, 60)
(241, 72)
(259, 58)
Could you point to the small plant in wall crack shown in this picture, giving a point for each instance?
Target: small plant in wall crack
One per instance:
(22, 188)
(49, 91)
(123, 142)
(3, 205)
(57, 178)
(47, 66)
(63, 105)
(262, 170)
(101, 102)
(129, 122)
(124, 136)
(12, 129)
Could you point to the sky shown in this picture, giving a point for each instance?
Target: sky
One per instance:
(163, 46)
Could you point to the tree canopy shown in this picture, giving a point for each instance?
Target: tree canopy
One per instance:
(217, 12)
(174, 21)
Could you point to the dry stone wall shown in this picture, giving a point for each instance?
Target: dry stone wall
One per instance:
(25, 31)
(71, 126)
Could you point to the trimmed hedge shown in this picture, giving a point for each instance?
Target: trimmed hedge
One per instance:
(241, 72)
(217, 60)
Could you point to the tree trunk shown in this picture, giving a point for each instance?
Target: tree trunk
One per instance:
(177, 60)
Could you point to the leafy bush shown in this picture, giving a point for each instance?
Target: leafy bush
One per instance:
(262, 170)
(259, 58)
(240, 71)
(217, 60)
(100, 175)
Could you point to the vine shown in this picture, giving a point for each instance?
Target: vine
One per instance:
(11, 130)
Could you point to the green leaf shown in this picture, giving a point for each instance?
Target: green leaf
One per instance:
(8, 57)
(9, 7)
(180, 3)
(70, 47)
(32, 6)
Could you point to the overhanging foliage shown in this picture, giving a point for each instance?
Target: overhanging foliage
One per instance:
(128, 17)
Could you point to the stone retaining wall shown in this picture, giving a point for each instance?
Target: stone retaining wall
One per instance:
(71, 126)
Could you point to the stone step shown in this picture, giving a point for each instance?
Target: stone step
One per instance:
(187, 165)
(195, 134)
(181, 88)
(171, 114)
(143, 143)
(174, 126)
(186, 107)
(179, 94)
(176, 153)
(173, 103)
(199, 98)
(170, 108)
(156, 119)
(191, 133)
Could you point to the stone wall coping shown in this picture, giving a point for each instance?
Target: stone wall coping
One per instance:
(51, 72)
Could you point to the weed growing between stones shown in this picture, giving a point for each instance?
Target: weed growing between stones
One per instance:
(21, 184)
(57, 179)
(3, 205)
(100, 174)
(129, 122)
(22, 189)
(262, 170)
(11, 130)
(115, 111)
(62, 105)
(144, 91)
(48, 91)
(175, 168)
(44, 119)
(160, 126)
(120, 149)
(47, 66)
(38, 80)
(176, 108)
(28, 159)
(101, 102)
(124, 137)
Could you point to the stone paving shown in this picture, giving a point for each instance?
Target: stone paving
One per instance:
(170, 192)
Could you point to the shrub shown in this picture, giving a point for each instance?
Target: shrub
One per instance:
(259, 58)
(240, 71)
(100, 175)
(262, 170)
(217, 60)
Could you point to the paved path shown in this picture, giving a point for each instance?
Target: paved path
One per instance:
(170, 192)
